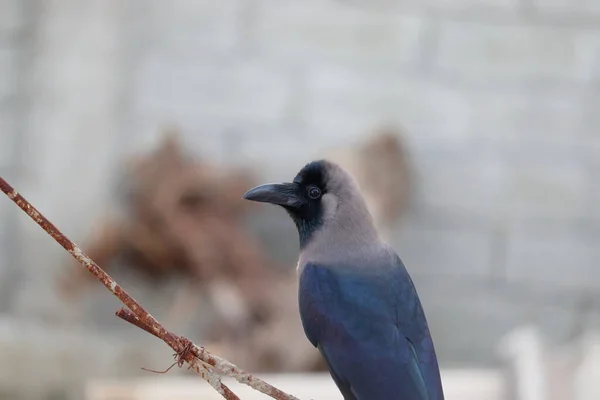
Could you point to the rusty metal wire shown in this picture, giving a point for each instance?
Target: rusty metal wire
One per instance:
(201, 361)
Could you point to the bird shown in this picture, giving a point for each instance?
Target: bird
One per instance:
(358, 304)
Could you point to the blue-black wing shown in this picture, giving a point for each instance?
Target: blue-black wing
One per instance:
(369, 325)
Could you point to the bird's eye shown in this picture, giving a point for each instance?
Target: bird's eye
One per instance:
(314, 192)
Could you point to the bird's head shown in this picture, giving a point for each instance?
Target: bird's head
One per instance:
(321, 193)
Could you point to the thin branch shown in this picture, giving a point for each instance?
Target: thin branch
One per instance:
(218, 363)
(130, 317)
(200, 368)
(197, 357)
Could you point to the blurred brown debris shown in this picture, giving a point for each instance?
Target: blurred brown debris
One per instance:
(183, 217)
(381, 167)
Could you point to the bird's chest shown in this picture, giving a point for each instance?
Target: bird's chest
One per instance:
(341, 305)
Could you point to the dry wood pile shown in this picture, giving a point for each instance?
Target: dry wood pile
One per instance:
(184, 218)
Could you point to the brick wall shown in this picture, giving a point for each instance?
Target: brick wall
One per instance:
(499, 101)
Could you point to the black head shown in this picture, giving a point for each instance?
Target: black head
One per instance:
(302, 198)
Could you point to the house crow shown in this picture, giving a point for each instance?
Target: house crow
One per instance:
(358, 304)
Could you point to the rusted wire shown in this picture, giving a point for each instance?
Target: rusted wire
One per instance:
(200, 360)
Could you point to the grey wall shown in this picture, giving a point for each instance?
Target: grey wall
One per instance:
(499, 100)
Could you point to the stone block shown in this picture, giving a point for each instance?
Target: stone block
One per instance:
(7, 74)
(590, 121)
(594, 200)
(343, 101)
(7, 136)
(277, 157)
(184, 27)
(479, 52)
(11, 15)
(469, 187)
(314, 31)
(589, 48)
(509, 5)
(442, 252)
(178, 89)
(558, 258)
(468, 317)
(439, 7)
(546, 190)
(505, 181)
(545, 116)
(512, 178)
(564, 8)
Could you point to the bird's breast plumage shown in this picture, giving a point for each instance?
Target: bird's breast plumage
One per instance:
(369, 321)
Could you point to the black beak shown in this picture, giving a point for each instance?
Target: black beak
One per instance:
(282, 194)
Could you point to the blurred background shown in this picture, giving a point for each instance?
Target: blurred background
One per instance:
(135, 126)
